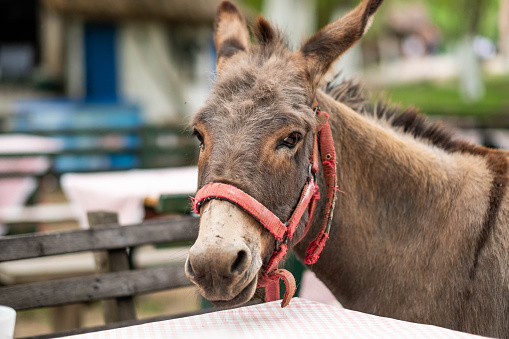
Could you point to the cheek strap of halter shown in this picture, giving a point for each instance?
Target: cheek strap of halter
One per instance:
(324, 145)
(283, 232)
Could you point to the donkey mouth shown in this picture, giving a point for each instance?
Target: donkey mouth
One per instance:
(222, 292)
(243, 297)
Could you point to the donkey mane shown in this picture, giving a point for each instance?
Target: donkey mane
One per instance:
(409, 120)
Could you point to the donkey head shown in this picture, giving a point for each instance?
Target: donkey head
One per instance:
(256, 133)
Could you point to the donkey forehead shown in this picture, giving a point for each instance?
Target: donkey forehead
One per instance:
(253, 93)
(251, 113)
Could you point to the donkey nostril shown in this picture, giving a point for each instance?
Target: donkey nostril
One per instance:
(240, 263)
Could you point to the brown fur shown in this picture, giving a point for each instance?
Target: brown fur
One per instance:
(421, 231)
(231, 35)
(416, 124)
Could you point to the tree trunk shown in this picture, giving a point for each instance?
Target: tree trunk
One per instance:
(504, 31)
(470, 75)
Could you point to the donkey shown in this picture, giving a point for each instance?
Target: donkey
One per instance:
(419, 234)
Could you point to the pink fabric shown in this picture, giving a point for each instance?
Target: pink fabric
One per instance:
(314, 289)
(15, 191)
(22, 143)
(301, 319)
(37, 164)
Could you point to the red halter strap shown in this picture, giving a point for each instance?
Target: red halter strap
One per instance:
(323, 147)
(327, 152)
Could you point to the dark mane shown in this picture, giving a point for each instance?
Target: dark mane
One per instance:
(409, 120)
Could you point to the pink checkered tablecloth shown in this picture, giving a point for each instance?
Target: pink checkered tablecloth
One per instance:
(301, 319)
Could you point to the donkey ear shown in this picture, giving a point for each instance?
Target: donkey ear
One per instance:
(230, 33)
(322, 49)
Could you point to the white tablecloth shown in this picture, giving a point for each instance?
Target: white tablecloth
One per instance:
(301, 319)
(123, 192)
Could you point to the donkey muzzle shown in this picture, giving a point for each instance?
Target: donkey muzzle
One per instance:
(225, 260)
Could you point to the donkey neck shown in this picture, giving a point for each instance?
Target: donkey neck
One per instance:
(396, 209)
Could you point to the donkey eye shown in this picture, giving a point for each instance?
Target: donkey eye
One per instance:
(199, 136)
(291, 140)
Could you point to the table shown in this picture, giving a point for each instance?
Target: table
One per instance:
(123, 192)
(301, 319)
(15, 190)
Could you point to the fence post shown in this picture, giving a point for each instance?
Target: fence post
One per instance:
(118, 309)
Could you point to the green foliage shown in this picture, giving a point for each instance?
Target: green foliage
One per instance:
(254, 4)
(490, 20)
(327, 7)
(455, 18)
(459, 17)
(324, 7)
(444, 99)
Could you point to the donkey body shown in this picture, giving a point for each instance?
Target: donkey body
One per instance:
(420, 233)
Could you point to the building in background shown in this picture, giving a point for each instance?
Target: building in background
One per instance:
(115, 65)
(156, 53)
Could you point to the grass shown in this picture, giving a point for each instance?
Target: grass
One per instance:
(445, 99)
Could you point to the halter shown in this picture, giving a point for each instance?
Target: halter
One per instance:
(323, 150)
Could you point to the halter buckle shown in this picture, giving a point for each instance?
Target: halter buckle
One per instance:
(311, 173)
(316, 109)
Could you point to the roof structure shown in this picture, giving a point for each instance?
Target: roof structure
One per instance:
(182, 11)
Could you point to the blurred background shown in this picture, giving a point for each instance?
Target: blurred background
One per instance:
(92, 86)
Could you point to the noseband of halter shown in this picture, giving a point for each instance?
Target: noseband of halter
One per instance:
(323, 150)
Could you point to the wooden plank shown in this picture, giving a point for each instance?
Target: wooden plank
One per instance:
(180, 150)
(53, 212)
(22, 174)
(76, 151)
(176, 130)
(34, 245)
(116, 260)
(82, 264)
(91, 288)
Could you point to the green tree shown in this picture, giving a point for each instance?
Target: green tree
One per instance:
(460, 21)
(460, 17)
